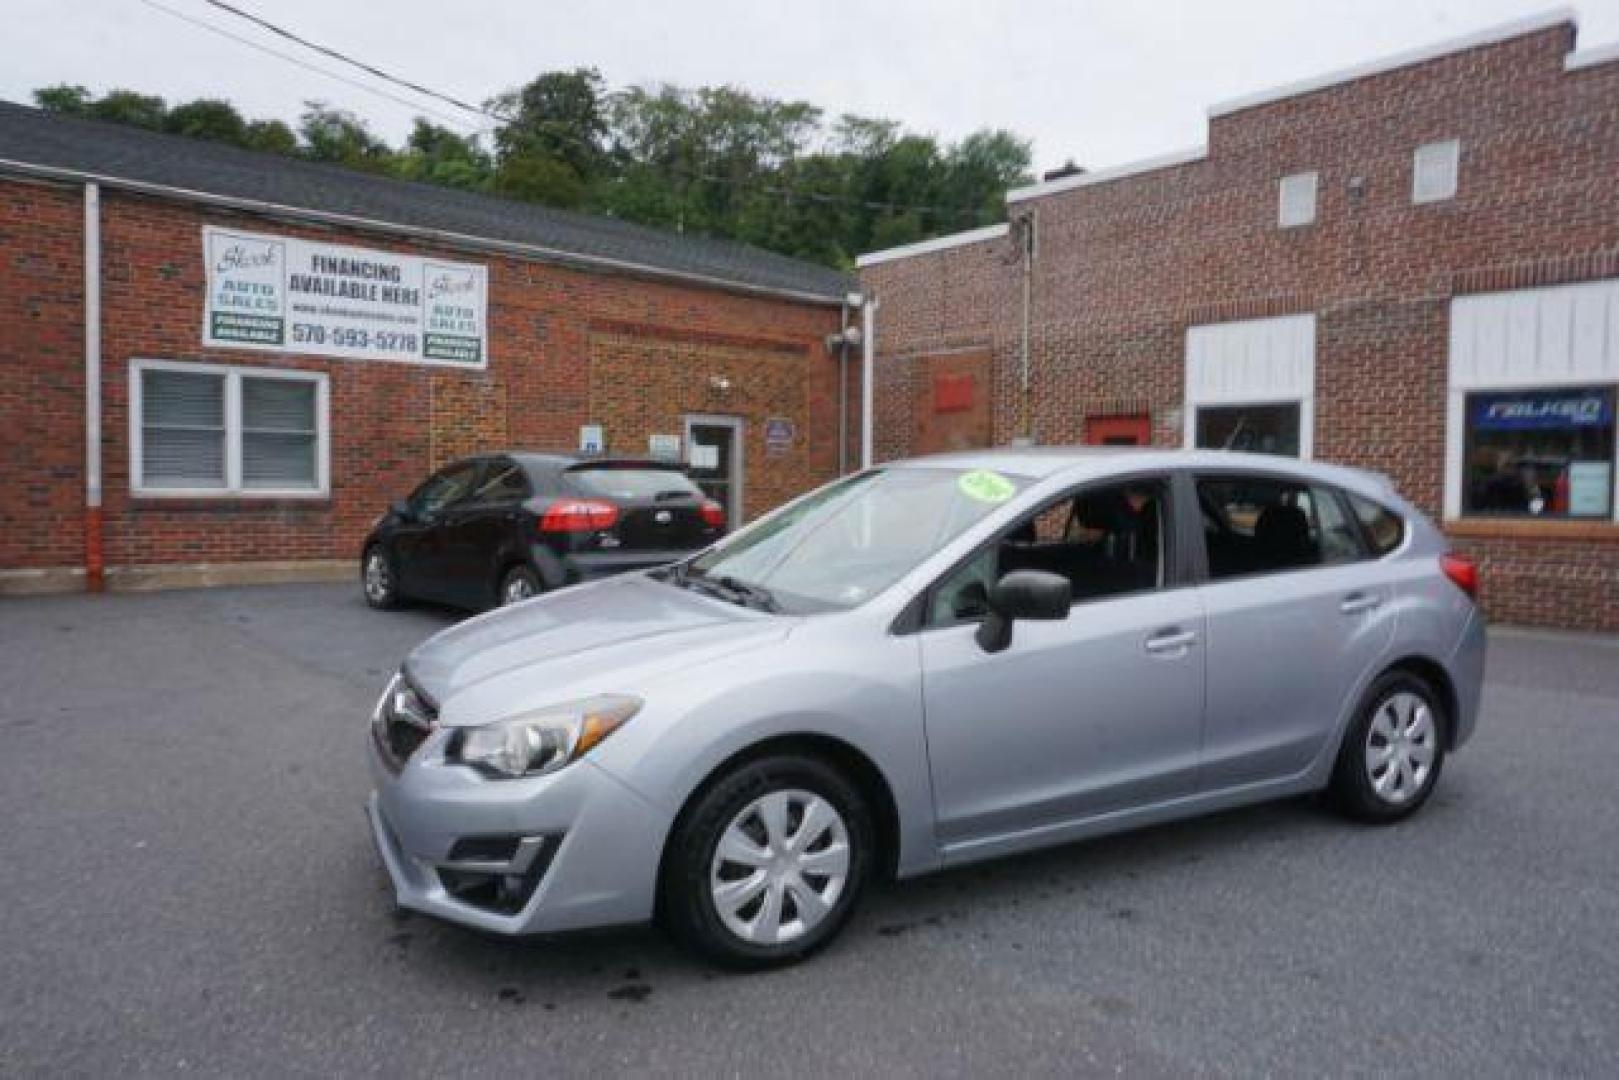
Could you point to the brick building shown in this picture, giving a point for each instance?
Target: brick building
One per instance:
(1412, 266)
(283, 348)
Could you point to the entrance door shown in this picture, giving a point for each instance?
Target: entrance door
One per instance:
(714, 456)
(1132, 430)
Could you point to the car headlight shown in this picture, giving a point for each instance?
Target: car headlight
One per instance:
(543, 741)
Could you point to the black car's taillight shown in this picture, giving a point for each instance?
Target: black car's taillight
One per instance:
(578, 515)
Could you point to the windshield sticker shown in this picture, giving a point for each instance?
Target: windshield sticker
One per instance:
(986, 486)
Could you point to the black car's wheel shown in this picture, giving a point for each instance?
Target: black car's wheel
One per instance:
(518, 583)
(1393, 752)
(767, 865)
(378, 579)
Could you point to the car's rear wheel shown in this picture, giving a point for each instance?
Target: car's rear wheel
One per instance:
(378, 581)
(518, 584)
(767, 865)
(1394, 751)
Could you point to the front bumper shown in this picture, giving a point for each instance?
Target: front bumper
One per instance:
(580, 848)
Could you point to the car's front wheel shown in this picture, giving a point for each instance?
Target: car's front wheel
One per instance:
(1393, 752)
(378, 581)
(767, 865)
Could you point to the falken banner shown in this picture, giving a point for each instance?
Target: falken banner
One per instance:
(292, 295)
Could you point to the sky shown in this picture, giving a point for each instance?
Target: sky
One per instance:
(1099, 83)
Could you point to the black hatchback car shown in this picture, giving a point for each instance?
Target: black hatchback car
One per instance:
(493, 530)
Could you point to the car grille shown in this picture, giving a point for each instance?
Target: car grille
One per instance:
(403, 720)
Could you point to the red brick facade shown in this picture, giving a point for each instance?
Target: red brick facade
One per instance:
(1124, 266)
(567, 347)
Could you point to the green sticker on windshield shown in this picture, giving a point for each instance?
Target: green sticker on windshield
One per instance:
(986, 486)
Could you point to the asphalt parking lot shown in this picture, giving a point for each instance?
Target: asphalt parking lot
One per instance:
(189, 887)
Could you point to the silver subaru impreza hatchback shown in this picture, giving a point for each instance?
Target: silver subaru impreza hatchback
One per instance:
(915, 667)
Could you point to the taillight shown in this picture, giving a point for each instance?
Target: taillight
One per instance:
(1461, 570)
(578, 515)
(713, 513)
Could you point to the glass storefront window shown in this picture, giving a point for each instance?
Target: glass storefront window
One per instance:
(1253, 429)
(1540, 453)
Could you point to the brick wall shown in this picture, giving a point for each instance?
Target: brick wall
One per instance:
(390, 423)
(1125, 266)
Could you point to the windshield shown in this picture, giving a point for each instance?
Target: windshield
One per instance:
(844, 544)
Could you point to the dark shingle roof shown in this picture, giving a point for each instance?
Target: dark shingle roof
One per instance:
(114, 151)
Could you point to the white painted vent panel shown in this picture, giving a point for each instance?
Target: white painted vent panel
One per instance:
(1565, 335)
(1297, 199)
(1433, 171)
(1246, 363)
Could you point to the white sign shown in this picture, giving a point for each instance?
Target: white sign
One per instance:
(704, 457)
(1588, 486)
(591, 440)
(664, 447)
(290, 295)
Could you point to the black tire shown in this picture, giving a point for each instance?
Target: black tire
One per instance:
(1356, 787)
(517, 577)
(686, 903)
(386, 597)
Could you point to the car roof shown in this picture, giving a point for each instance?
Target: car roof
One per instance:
(531, 459)
(1080, 462)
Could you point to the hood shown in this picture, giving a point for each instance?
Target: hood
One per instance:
(610, 637)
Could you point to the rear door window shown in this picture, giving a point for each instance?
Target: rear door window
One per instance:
(634, 483)
(503, 483)
(1268, 525)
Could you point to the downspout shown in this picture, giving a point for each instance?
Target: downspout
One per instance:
(868, 355)
(843, 387)
(94, 567)
(1026, 241)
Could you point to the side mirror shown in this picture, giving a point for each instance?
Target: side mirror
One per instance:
(401, 510)
(1023, 594)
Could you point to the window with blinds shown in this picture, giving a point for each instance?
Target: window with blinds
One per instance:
(228, 431)
(182, 430)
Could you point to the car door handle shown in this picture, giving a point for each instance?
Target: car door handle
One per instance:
(1357, 602)
(1171, 640)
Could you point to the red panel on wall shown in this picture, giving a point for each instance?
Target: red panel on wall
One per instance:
(952, 393)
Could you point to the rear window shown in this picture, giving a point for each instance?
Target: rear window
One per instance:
(1383, 527)
(634, 483)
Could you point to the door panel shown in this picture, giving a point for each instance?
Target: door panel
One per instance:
(1286, 655)
(1296, 620)
(420, 547)
(1093, 713)
(474, 530)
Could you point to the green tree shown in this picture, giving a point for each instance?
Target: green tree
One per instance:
(65, 99)
(341, 138)
(437, 155)
(553, 143)
(273, 136)
(207, 118)
(127, 107)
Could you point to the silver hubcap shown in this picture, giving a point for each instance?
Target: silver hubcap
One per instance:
(376, 576)
(780, 867)
(1400, 747)
(518, 587)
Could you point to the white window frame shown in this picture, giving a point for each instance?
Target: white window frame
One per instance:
(233, 376)
(1539, 339)
(1444, 154)
(1298, 186)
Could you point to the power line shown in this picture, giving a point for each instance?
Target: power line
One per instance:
(289, 58)
(940, 212)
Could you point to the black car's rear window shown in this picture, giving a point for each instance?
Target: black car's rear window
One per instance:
(632, 483)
